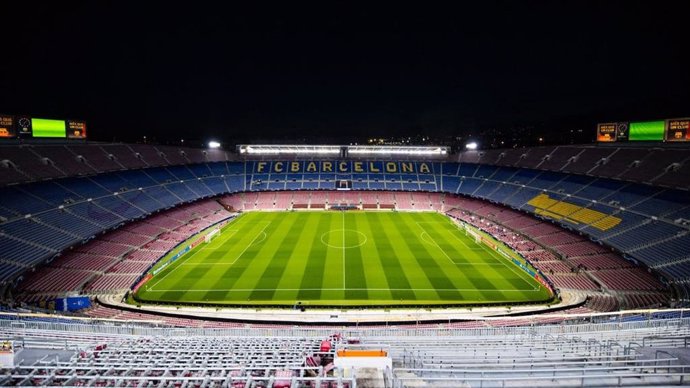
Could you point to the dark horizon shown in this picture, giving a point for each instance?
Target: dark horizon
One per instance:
(507, 69)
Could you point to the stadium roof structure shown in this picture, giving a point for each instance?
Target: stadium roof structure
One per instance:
(272, 149)
(299, 149)
(399, 150)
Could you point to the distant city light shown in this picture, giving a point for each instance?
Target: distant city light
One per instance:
(471, 146)
(213, 144)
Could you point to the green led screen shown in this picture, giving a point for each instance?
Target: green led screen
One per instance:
(647, 131)
(48, 128)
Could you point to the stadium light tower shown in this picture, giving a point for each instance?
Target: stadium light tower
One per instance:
(213, 144)
(471, 145)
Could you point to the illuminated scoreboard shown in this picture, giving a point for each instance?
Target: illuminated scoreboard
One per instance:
(31, 127)
(670, 130)
(47, 128)
(647, 130)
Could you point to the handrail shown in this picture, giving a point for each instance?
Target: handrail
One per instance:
(633, 330)
(598, 362)
(246, 379)
(665, 338)
(399, 381)
(555, 370)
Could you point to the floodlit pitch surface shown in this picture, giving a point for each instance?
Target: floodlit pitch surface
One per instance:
(344, 259)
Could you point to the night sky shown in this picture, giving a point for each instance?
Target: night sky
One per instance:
(345, 70)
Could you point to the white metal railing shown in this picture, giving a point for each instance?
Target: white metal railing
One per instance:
(613, 330)
(649, 367)
(229, 381)
(586, 363)
(584, 380)
(441, 317)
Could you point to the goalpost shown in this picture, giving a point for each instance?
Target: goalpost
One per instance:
(477, 237)
(215, 232)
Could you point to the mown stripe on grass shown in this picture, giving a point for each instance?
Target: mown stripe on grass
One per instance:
(428, 260)
(374, 273)
(507, 276)
(465, 277)
(333, 282)
(502, 274)
(392, 268)
(191, 276)
(225, 277)
(296, 266)
(316, 262)
(393, 258)
(517, 278)
(273, 258)
(354, 267)
(479, 275)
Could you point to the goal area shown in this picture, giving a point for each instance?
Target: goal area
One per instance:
(212, 234)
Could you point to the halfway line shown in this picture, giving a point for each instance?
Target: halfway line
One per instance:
(343, 249)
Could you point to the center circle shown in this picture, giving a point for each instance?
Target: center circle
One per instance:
(343, 238)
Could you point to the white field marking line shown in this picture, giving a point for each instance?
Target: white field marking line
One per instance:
(510, 267)
(435, 243)
(346, 247)
(226, 238)
(173, 270)
(251, 242)
(226, 263)
(463, 243)
(428, 236)
(492, 264)
(245, 249)
(187, 259)
(356, 289)
(500, 260)
(265, 236)
(479, 246)
(454, 235)
(343, 250)
(181, 264)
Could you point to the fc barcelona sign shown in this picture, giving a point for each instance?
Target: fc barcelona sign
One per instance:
(341, 167)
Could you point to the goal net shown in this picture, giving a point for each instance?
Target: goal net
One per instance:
(215, 232)
(477, 237)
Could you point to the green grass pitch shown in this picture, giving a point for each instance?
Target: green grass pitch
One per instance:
(342, 259)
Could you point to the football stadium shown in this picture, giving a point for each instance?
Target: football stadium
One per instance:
(534, 247)
(343, 195)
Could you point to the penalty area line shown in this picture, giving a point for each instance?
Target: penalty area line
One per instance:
(252, 242)
(511, 267)
(225, 238)
(434, 242)
(186, 259)
(173, 269)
